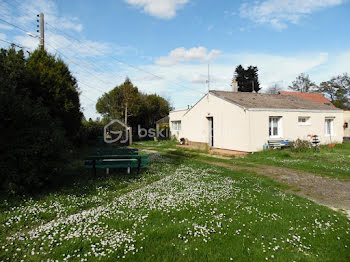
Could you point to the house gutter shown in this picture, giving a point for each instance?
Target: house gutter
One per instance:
(296, 110)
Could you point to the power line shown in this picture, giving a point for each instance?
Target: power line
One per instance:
(85, 60)
(123, 62)
(2, 20)
(49, 45)
(55, 50)
(118, 60)
(11, 43)
(29, 49)
(82, 68)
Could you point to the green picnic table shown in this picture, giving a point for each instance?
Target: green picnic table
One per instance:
(107, 158)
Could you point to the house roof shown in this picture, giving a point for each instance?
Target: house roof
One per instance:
(270, 101)
(316, 97)
(164, 120)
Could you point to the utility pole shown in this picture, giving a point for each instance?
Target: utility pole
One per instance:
(42, 35)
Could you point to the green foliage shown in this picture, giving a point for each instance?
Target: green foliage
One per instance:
(40, 109)
(303, 84)
(32, 144)
(189, 211)
(90, 131)
(301, 145)
(112, 105)
(338, 90)
(142, 109)
(247, 79)
(152, 108)
(51, 81)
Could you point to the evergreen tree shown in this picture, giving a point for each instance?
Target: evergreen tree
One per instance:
(32, 138)
(52, 83)
(247, 79)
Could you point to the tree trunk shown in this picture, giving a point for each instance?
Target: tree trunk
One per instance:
(126, 114)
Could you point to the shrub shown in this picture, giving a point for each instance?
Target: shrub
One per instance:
(32, 145)
(90, 131)
(285, 154)
(301, 145)
(40, 113)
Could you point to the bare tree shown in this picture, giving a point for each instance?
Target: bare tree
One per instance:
(274, 89)
(303, 84)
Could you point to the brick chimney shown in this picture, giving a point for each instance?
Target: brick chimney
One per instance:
(234, 85)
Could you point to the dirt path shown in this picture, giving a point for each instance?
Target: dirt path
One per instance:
(329, 192)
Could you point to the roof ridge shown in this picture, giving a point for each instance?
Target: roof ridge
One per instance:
(272, 101)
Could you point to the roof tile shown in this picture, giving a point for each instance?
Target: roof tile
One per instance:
(268, 101)
(316, 97)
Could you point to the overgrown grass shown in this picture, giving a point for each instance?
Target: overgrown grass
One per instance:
(176, 210)
(332, 162)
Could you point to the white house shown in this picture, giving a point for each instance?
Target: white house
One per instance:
(175, 121)
(347, 125)
(246, 121)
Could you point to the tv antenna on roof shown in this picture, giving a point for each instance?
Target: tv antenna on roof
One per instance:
(208, 81)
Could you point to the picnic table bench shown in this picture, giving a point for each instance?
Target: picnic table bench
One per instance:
(278, 143)
(107, 158)
(116, 151)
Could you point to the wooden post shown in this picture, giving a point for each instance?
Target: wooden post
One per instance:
(130, 136)
(42, 31)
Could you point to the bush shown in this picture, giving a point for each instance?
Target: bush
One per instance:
(90, 131)
(301, 145)
(40, 113)
(32, 145)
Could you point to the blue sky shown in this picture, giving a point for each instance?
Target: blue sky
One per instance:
(164, 46)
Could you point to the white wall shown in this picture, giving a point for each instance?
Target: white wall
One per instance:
(248, 130)
(176, 115)
(230, 124)
(291, 129)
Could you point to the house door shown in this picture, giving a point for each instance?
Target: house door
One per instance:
(211, 131)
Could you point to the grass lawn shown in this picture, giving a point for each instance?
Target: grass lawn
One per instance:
(332, 162)
(176, 210)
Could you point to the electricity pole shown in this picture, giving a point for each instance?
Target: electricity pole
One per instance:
(42, 35)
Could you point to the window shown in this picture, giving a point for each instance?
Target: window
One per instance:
(176, 125)
(275, 128)
(329, 124)
(303, 120)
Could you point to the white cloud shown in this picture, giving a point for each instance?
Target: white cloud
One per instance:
(185, 84)
(29, 10)
(5, 27)
(195, 54)
(274, 68)
(2, 36)
(89, 61)
(164, 9)
(279, 13)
